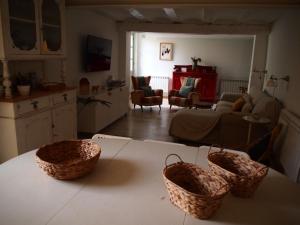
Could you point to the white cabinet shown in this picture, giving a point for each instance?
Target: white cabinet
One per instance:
(63, 122)
(31, 123)
(93, 117)
(32, 28)
(33, 131)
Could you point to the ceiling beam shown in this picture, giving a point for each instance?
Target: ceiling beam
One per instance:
(194, 29)
(176, 3)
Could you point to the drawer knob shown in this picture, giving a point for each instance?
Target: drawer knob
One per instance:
(35, 104)
(65, 97)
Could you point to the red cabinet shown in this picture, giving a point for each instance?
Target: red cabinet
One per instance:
(208, 75)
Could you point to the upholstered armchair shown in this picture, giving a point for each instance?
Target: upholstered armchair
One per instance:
(190, 100)
(143, 95)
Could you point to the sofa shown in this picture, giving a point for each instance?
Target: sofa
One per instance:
(225, 126)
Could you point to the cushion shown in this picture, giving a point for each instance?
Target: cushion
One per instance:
(256, 94)
(190, 81)
(247, 107)
(260, 106)
(185, 90)
(147, 91)
(247, 98)
(187, 81)
(238, 104)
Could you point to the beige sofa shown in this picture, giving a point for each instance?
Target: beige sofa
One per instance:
(223, 126)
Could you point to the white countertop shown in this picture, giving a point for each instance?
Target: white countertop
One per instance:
(127, 188)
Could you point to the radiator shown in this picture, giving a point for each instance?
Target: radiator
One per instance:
(160, 82)
(233, 86)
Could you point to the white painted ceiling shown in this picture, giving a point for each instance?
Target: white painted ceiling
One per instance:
(192, 15)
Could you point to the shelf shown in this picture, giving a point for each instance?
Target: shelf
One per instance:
(22, 20)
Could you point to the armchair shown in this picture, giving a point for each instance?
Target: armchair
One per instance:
(190, 100)
(139, 95)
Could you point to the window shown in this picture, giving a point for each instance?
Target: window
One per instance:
(132, 48)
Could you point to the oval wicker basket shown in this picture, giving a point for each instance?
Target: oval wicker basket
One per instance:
(243, 174)
(67, 160)
(194, 190)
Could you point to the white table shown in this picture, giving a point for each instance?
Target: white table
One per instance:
(127, 188)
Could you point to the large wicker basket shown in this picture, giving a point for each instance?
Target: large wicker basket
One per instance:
(243, 174)
(67, 160)
(194, 190)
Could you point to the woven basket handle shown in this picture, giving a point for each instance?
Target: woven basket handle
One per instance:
(166, 160)
(264, 167)
(214, 145)
(219, 190)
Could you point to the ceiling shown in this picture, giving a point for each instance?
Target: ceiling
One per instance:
(234, 12)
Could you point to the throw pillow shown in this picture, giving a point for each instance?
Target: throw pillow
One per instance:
(147, 91)
(185, 90)
(238, 104)
(187, 81)
(247, 107)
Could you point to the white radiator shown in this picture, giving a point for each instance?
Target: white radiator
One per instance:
(160, 82)
(233, 86)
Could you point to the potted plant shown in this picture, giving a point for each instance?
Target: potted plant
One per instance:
(195, 62)
(23, 82)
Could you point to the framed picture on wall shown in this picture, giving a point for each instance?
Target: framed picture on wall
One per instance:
(166, 51)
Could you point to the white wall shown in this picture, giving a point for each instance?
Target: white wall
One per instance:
(231, 55)
(80, 23)
(284, 59)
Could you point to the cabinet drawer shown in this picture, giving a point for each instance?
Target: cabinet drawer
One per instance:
(32, 105)
(64, 97)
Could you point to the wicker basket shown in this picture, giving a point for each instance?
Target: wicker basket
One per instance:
(67, 160)
(194, 190)
(243, 174)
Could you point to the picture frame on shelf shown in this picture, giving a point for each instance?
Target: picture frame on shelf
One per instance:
(166, 51)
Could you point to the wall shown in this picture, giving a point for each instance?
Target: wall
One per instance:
(80, 23)
(231, 55)
(284, 59)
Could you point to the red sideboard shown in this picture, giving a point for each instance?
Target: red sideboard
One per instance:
(208, 77)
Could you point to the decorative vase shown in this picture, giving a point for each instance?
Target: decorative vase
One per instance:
(194, 66)
(24, 90)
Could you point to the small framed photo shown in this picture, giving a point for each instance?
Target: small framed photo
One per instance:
(166, 51)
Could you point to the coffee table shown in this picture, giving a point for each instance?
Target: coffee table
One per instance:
(127, 188)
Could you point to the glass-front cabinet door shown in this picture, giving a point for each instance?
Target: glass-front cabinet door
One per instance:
(51, 26)
(22, 27)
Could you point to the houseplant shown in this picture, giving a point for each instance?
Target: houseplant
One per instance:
(23, 82)
(195, 62)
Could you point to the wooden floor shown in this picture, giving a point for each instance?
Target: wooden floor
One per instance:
(149, 124)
